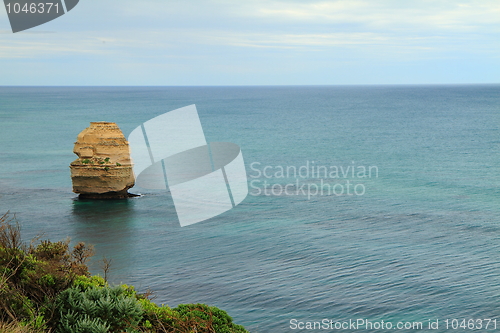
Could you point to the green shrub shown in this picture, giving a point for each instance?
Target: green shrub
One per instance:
(32, 276)
(50, 251)
(208, 318)
(187, 318)
(16, 327)
(48, 288)
(83, 282)
(97, 309)
(158, 318)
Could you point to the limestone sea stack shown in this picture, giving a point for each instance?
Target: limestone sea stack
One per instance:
(103, 169)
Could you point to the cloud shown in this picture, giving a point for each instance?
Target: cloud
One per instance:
(389, 13)
(48, 47)
(255, 36)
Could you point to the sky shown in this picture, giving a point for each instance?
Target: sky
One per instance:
(257, 42)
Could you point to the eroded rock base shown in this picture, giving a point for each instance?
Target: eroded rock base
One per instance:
(107, 196)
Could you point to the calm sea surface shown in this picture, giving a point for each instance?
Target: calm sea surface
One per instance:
(419, 240)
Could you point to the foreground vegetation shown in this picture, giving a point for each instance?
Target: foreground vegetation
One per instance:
(46, 287)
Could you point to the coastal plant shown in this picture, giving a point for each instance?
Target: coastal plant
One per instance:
(84, 283)
(98, 309)
(206, 318)
(157, 319)
(32, 276)
(15, 268)
(82, 253)
(47, 288)
(106, 266)
(17, 327)
(186, 318)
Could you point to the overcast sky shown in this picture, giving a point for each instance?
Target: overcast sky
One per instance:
(253, 42)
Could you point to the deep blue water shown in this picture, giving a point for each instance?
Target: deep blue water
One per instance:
(422, 243)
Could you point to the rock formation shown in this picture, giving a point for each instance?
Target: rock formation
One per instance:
(103, 169)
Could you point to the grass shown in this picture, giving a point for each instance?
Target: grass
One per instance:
(15, 327)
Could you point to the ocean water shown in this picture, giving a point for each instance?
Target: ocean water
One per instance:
(419, 241)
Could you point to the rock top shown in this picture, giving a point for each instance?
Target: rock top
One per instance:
(103, 169)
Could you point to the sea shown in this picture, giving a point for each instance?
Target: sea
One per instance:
(370, 208)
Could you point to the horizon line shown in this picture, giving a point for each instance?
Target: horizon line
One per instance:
(252, 85)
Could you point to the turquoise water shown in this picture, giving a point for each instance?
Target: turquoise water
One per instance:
(421, 243)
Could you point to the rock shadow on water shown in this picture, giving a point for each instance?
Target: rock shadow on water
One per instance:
(109, 226)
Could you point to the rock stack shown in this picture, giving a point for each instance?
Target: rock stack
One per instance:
(103, 169)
